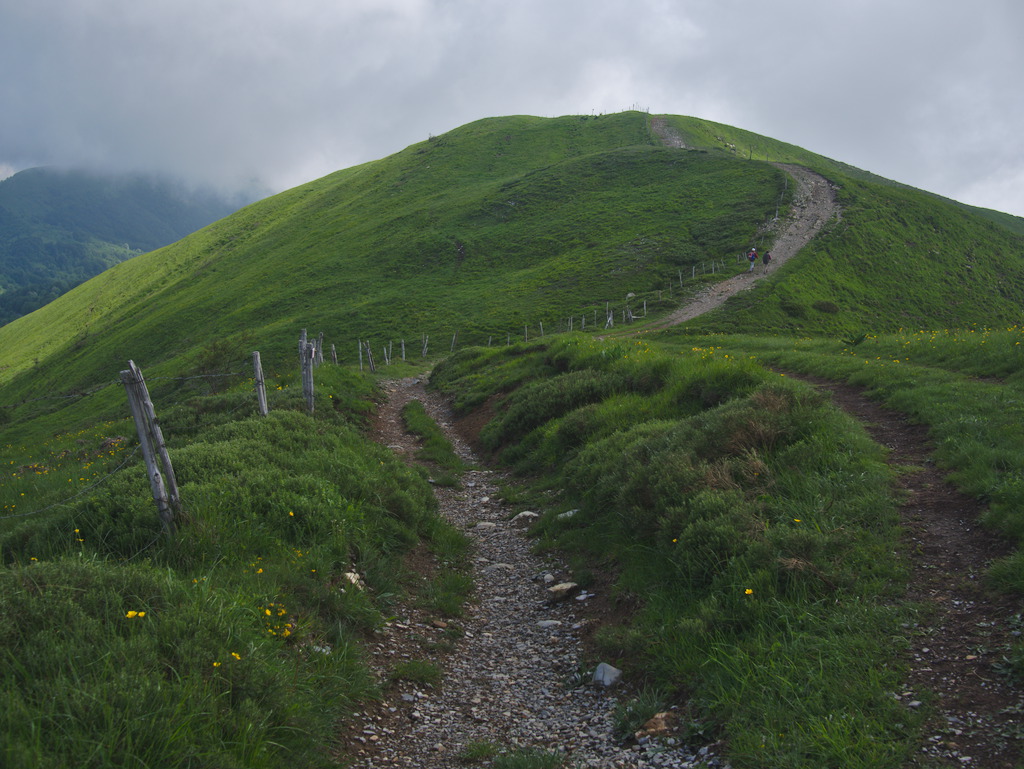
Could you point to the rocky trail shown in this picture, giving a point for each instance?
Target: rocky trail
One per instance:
(955, 650)
(514, 678)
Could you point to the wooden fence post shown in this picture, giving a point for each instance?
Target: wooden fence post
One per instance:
(334, 355)
(261, 385)
(455, 336)
(369, 358)
(308, 361)
(154, 451)
(359, 344)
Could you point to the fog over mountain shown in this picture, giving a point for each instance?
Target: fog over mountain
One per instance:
(235, 93)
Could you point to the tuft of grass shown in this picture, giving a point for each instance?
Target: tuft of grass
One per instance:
(434, 446)
(631, 715)
(417, 671)
(477, 752)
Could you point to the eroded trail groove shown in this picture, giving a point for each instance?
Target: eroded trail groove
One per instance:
(956, 648)
(513, 678)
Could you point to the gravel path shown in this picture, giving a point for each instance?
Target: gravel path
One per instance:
(813, 206)
(514, 679)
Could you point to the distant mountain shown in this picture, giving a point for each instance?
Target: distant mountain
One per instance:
(59, 228)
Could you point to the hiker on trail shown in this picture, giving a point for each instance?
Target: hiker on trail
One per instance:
(752, 258)
(766, 259)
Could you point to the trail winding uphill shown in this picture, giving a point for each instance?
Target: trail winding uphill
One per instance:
(504, 684)
(814, 204)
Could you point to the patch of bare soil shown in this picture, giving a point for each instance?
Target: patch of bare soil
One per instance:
(956, 648)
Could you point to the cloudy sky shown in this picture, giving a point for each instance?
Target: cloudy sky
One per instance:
(228, 92)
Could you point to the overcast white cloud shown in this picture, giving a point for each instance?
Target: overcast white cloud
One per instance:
(926, 92)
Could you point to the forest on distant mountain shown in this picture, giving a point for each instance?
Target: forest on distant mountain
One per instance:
(59, 228)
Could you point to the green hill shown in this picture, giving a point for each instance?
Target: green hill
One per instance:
(509, 223)
(750, 529)
(59, 228)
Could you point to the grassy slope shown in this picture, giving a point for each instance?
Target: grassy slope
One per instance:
(900, 257)
(494, 225)
(349, 251)
(59, 228)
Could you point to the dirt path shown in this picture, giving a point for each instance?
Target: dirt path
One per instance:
(513, 678)
(957, 646)
(814, 204)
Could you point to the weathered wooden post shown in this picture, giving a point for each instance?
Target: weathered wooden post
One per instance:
(455, 336)
(403, 350)
(261, 385)
(334, 355)
(308, 361)
(426, 340)
(320, 348)
(154, 451)
(359, 344)
(542, 328)
(369, 358)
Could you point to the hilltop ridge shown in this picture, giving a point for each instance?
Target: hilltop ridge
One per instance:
(511, 224)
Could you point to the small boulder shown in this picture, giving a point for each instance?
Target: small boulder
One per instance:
(562, 590)
(606, 675)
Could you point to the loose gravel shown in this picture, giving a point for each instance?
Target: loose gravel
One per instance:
(516, 678)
